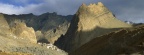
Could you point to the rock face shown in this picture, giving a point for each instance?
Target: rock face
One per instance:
(22, 31)
(56, 32)
(122, 42)
(96, 18)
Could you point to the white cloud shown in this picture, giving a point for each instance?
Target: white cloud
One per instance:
(31, 8)
(63, 7)
(10, 9)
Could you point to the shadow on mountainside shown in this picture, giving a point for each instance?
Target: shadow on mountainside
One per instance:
(124, 41)
(73, 39)
(66, 42)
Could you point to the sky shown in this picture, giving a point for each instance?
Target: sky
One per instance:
(125, 10)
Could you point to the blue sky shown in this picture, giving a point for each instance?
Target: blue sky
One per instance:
(132, 10)
(20, 2)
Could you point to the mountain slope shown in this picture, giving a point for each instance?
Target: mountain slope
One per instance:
(122, 42)
(3, 25)
(95, 18)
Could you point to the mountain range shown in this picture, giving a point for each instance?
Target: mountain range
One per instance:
(92, 30)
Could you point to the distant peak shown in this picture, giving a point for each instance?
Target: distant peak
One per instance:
(100, 4)
(83, 4)
(93, 8)
(93, 4)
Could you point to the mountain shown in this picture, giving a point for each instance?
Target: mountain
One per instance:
(49, 26)
(88, 23)
(122, 42)
(93, 30)
(17, 37)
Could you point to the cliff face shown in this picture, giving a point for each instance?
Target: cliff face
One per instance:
(122, 42)
(94, 17)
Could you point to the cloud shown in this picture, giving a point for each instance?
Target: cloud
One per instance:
(11, 9)
(132, 10)
(37, 9)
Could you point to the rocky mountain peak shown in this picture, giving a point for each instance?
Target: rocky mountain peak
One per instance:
(92, 9)
(89, 22)
(96, 15)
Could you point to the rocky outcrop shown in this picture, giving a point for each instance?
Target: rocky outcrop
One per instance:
(95, 18)
(122, 42)
(22, 31)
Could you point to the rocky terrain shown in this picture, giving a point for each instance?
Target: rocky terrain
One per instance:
(48, 26)
(93, 30)
(17, 38)
(122, 42)
(89, 22)
(13, 53)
